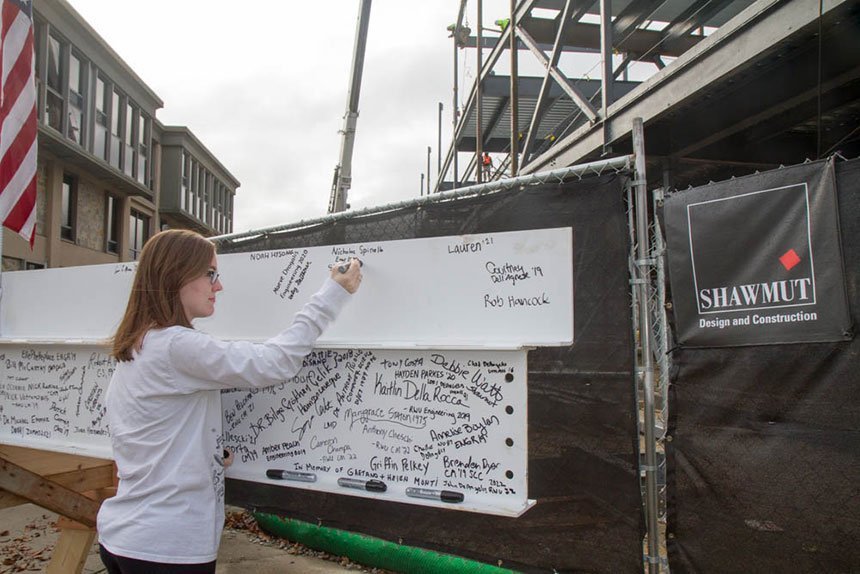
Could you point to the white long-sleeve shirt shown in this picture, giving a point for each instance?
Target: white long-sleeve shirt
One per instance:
(164, 412)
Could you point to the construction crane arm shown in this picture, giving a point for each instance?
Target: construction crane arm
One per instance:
(343, 171)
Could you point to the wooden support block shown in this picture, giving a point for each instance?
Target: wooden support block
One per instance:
(98, 495)
(80, 473)
(71, 551)
(8, 500)
(70, 485)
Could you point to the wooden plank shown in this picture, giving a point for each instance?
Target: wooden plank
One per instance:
(49, 463)
(84, 480)
(71, 551)
(79, 473)
(46, 493)
(71, 485)
(98, 495)
(8, 500)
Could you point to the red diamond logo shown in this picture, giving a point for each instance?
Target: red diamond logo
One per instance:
(789, 259)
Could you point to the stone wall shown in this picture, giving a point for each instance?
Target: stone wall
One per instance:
(41, 198)
(90, 223)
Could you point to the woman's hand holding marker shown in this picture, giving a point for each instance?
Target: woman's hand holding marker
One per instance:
(348, 276)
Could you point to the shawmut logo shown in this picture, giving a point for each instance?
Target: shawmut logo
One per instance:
(751, 296)
(752, 251)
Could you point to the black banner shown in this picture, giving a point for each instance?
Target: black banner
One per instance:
(582, 437)
(757, 260)
(763, 467)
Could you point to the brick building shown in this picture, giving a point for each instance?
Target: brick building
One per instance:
(109, 173)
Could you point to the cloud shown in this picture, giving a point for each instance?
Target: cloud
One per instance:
(265, 91)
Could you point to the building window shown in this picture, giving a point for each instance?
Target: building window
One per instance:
(142, 149)
(201, 187)
(38, 33)
(12, 264)
(183, 190)
(219, 196)
(102, 105)
(55, 72)
(112, 227)
(138, 232)
(205, 214)
(68, 208)
(194, 189)
(77, 80)
(128, 137)
(115, 128)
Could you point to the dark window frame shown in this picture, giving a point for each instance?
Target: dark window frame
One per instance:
(143, 145)
(138, 233)
(129, 149)
(115, 128)
(77, 100)
(102, 116)
(57, 87)
(113, 213)
(68, 207)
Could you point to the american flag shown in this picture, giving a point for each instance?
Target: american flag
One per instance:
(18, 116)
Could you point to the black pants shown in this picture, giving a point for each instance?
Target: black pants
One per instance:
(122, 565)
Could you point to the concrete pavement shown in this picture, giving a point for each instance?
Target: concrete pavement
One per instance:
(28, 536)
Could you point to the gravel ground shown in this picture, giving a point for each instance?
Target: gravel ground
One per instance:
(26, 539)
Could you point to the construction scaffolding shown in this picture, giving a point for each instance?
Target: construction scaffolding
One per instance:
(724, 87)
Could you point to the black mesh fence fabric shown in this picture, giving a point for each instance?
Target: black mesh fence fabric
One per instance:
(764, 447)
(583, 445)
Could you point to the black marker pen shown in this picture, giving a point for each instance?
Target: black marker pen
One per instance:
(430, 494)
(344, 267)
(371, 485)
(291, 475)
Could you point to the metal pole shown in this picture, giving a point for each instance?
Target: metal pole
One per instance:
(643, 265)
(607, 75)
(479, 117)
(421, 192)
(606, 54)
(429, 150)
(662, 327)
(454, 112)
(439, 147)
(514, 93)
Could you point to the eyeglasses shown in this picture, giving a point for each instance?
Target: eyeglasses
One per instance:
(213, 276)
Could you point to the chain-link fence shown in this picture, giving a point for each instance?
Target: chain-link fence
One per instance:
(651, 271)
(582, 449)
(374, 222)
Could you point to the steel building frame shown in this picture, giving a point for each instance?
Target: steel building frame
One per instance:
(725, 84)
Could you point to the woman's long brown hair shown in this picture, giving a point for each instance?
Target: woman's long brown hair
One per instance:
(169, 260)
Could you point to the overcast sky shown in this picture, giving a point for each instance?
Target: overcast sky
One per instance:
(265, 90)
